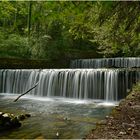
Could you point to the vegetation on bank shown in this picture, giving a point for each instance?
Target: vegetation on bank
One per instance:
(69, 29)
(123, 122)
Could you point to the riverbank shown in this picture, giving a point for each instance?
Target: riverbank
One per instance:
(123, 122)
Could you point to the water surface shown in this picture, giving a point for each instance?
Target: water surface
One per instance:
(68, 117)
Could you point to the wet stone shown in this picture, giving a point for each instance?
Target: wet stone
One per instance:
(27, 115)
(1, 113)
(8, 121)
(15, 122)
(102, 122)
(136, 107)
(122, 133)
(21, 117)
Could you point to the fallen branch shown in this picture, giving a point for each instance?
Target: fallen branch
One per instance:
(26, 91)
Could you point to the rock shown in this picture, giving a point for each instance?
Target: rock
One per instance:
(129, 129)
(130, 103)
(133, 94)
(102, 122)
(7, 124)
(21, 117)
(8, 121)
(27, 115)
(137, 132)
(8, 115)
(122, 133)
(12, 115)
(126, 125)
(5, 118)
(111, 117)
(66, 119)
(110, 124)
(93, 129)
(136, 107)
(5, 115)
(57, 134)
(106, 117)
(113, 128)
(132, 119)
(15, 122)
(128, 90)
(1, 113)
(118, 108)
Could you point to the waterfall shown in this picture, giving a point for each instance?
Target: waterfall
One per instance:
(107, 84)
(107, 62)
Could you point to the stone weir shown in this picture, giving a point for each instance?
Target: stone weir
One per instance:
(128, 62)
(106, 84)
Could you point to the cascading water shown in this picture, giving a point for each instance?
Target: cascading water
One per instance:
(107, 84)
(107, 62)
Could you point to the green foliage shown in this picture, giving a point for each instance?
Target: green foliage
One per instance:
(39, 46)
(14, 45)
(117, 31)
(107, 28)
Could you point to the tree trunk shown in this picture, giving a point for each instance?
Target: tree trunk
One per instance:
(29, 18)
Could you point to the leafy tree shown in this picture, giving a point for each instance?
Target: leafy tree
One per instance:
(57, 29)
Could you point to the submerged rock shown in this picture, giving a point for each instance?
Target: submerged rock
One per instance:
(27, 115)
(15, 122)
(8, 121)
(21, 117)
(66, 119)
(5, 120)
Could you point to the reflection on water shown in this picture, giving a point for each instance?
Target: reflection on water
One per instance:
(70, 118)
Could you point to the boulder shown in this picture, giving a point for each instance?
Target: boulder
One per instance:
(8, 121)
(15, 122)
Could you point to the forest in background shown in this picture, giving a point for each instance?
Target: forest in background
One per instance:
(58, 30)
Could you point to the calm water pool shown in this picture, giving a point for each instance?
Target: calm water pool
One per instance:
(69, 118)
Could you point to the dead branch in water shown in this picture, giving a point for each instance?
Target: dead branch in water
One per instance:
(26, 91)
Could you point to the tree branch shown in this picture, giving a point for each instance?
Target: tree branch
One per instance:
(26, 91)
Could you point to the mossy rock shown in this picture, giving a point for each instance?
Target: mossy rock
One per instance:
(8, 121)
(15, 122)
(27, 115)
(21, 117)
